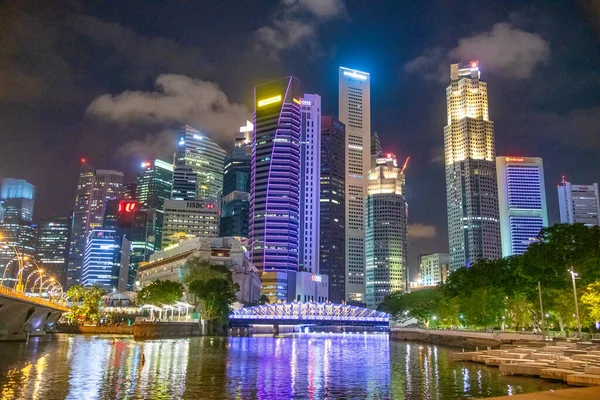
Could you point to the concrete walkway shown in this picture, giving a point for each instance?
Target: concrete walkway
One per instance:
(588, 393)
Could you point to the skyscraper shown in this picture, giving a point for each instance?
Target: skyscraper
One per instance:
(470, 158)
(333, 231)
(189, 219)
(53, 246)
(433, 269)
(17, 198)
(275, 186)
(198, 163)
(236, 185)
(376, 149)
(521, 202)
(154, 186)
(355, 114)
(579, 203)
(106, 260)
(94, 188)
(310, 175)
(386, 231)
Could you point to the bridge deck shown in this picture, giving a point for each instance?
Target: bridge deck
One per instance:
(19, 296)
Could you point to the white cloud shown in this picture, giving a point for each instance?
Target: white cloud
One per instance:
(420, 231)
(160, 145)
(504, 50)
(296, 24)
(180, 100)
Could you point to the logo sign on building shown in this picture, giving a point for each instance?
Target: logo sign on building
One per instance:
(316, 278)
(197, 204)
(514, 159)
(127, 206)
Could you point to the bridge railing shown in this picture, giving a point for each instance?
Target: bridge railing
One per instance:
(4, 290)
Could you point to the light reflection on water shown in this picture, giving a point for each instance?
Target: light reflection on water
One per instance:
(314, 366)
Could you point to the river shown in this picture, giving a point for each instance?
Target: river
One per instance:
(306, 366)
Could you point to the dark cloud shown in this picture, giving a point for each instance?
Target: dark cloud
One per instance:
(420, 231)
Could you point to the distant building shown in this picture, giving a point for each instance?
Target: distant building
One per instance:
(310, 176)
(230, 252)
(17, 197)
(470, 158)
(579, 203)
(355, 113)
(154, 186)
(94, 188)
(434, 269)
(52, 251)
(129, 191)
(521, 202)
(106, 260)
(332, 250)
(196, 218)
(236, 186)
(385, 231)
(198, 163)
(275, 182)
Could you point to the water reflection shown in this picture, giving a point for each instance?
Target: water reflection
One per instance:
(314, 366)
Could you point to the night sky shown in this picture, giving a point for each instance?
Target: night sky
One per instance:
(109, 81)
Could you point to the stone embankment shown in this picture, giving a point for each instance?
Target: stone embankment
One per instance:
(154, 330)
(97, 330)
(576, 363)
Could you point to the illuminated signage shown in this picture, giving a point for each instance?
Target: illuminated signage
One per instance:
(195, 204)
(306, 102)
(514, 159)
(145, 164)
(296, 101)
(270, 100)
(473, 64)
(355, 75)
(316, 278)
(127, 206)
(389, 155)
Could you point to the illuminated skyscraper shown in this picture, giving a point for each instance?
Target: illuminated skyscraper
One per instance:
(94, 188)
(310, 174)
(332, 225)
(198, 164)
(470, 157)
(106, 260)
(579, 203)
(386, 231)
(521, 202)
(355, 114)
(275, 185)
(53, 246)
(154, 186)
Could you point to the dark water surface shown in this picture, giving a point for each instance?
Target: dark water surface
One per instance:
(313, 366)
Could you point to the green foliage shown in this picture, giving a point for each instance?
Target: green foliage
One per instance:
(422, 305)
(264, 299)
(89, 311)
(591, 300)
(75, 293)
(160, 292)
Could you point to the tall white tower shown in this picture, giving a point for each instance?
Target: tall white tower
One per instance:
(355, 113)
(470, 156)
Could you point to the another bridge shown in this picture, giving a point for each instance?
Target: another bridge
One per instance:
(309, 316)
(22, 315)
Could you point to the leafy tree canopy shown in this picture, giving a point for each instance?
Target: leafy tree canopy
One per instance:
(160, 292)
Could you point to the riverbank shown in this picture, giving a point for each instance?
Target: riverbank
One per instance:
(562, 394)
(97, 330)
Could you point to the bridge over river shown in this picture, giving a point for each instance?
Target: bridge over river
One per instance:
(22, 315)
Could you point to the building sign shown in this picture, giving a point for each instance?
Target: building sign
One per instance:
(197, 204)
(270, 100)
(514, 159)
(127, 206)
(355, 75)
(316, 278)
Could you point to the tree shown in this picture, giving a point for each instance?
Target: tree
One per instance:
(75, 293)
(160, 292)
(89, 311)
(264, 299)
(423, 305)
(591, 300)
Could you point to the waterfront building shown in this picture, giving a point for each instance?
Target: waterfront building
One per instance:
(355, 113)
(470, 159)
(376, 149)
(106, 260)
(521, 202)
(17, 197)
(386, 231)
(195, 218)
(433, 269)
(236, 185)
(52, 252)
(198, 167)
(332, 250)
(579, 203)
(310, 176)
(154, 186)
(275, 182)
(94, 188)
(168, 264)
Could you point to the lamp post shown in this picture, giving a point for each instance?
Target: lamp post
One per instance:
(6, 268)
(573, 276)
(39, 271)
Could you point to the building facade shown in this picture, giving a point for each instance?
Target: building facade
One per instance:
(17, 198)
(355, 114)
(433, 269)
(521, 202)
(332, 250)
(386, 231)
(154, 186)
(94, 188)
(275, 181)
(198, 162)
(52, 252)
(106, 260)
(310, 177)
(190, 218)
(579, 203)
(470, 159)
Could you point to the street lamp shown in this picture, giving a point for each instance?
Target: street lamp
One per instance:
(573, 277)
(39, 271)
(6, 267)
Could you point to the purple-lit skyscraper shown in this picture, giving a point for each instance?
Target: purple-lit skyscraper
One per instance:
(275, 186)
